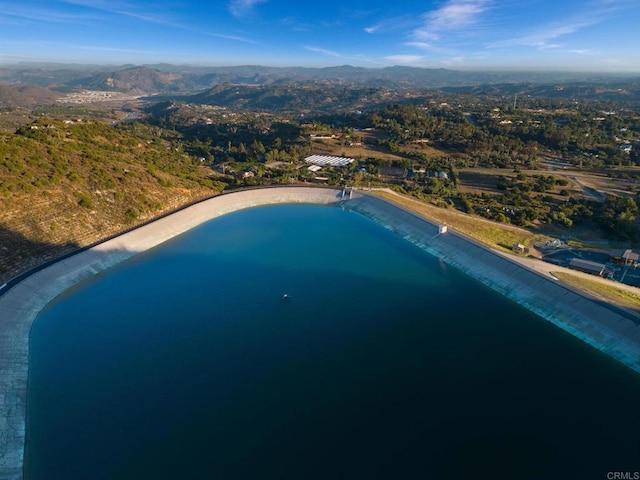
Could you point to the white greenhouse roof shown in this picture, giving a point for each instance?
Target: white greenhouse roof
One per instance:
(323, 160)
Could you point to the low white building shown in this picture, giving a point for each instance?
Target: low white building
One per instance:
(324, 160)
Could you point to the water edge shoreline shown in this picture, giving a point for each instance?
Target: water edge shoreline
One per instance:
(582, 316)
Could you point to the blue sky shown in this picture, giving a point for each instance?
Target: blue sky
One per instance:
(586, 35)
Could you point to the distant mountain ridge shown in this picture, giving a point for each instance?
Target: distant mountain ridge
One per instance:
(25, 96)
(134, 80)
(286, 98)
(621, 91)
(165, 78)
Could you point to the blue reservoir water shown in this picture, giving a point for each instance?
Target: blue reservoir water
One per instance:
(186, 362)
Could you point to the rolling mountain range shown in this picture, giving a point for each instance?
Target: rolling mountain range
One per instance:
(164, 78)
(621, 91)
(295, 88)
(298, 98)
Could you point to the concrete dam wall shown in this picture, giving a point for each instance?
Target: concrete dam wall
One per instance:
(601, 325)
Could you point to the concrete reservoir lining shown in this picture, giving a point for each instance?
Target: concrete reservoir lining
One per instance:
(593, 322)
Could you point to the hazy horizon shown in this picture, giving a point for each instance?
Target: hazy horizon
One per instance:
(596, 36)
(176, 66)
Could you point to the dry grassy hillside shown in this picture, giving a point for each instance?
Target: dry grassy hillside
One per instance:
(65, 185)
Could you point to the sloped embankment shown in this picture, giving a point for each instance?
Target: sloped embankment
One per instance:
(597, 323)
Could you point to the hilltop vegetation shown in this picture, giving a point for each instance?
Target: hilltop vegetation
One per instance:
(64, 185)
(293, 100)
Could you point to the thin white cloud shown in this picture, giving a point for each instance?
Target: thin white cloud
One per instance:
(454, 15)
(358, 58)
(584, 51)
(17, 13)
(422, 45)
(392, 24)
(434, 48)
(97, 4)
(616, 4)
(323, 51)
(127, 10)
(101, 4)
(49, 45)
(543, 37)
(225, 36)
(240, 8)
(294, 24)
